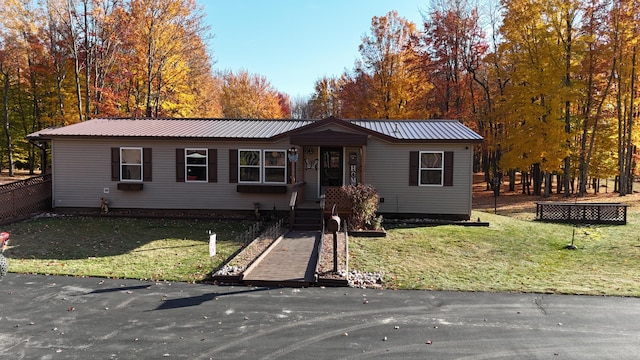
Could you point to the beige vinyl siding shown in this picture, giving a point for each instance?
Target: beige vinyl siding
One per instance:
(387, 168)
(82, 171)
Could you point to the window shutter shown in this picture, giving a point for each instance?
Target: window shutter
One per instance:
(233, 166)
(179, 165)
(213, 165)
(115, 164)
(448, 168)
(146, 164)
(414, 160)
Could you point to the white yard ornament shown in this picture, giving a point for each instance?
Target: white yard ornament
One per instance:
(212, 243)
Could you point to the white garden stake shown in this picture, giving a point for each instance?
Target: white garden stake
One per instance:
(212, 243)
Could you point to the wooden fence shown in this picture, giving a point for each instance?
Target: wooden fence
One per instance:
(21, 199)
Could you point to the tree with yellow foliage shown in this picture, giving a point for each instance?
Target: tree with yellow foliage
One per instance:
(536, 107)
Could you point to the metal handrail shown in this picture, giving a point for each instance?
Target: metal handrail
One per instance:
(293, 202)
(319, 250)
(294, 199)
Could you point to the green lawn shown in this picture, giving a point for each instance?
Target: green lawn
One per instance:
(158, 249)
(510, 255)
(514, 253)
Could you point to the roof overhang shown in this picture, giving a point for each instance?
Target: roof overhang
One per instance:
(329, 131)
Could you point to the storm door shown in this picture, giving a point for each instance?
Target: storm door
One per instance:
(331, 167)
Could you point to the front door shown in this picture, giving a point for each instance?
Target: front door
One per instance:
(331, 167)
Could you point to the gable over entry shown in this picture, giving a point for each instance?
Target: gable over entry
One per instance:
(332, 158)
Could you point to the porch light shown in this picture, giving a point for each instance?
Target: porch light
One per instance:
(293, 154)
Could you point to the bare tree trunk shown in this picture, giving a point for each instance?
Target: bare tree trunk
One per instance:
(621, 121)
(584, 163)
(35, 121)
(512, 180)
(567, 106)
(547, 184)
(73, 46)
(57, 62)
(629, 146)
(87, 63)
(150, 64)
(537, 179)
(7, 128)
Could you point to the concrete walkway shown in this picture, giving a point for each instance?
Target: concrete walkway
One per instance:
(291, 261)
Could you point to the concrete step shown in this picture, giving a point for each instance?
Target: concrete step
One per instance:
(307, 219)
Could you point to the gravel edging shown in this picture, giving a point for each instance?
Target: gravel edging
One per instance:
(344, 276)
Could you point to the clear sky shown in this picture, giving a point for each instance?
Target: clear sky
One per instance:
(293, 43)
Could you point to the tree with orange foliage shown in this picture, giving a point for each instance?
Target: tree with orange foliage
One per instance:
(453, 47)
(249, 96)
(384, 84)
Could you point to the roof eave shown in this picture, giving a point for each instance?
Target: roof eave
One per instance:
(134, 137)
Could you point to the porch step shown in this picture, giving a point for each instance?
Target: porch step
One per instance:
(307, 219)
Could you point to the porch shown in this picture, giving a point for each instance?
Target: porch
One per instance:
(305, 214)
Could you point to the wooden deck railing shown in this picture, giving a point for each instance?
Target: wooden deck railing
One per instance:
(582, 213)
(21, 199)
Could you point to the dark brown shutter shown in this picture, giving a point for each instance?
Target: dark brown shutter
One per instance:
(115, 164)
(179, 165)
(233, 166)
(414, 160)
(448, 168)
(146, 164)
(213, 165)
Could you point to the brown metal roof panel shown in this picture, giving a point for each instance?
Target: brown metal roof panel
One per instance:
(401, 130)
(446, 130)
(198, 128)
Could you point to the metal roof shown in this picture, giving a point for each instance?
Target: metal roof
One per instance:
(446, 130)
(189, 128)
(400, 130)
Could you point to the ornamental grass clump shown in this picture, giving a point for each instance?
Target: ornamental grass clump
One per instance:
(364, 204)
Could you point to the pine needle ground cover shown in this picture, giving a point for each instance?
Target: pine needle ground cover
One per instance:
(512, 255)
(149, 249)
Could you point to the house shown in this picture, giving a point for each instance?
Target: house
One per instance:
(419, 167)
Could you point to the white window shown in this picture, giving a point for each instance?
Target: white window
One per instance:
(249, 166)
(431, 168)
(196, 164)
(275, 166)
(262, 166)
(130, 164)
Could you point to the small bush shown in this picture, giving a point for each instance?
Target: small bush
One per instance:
(364, 204)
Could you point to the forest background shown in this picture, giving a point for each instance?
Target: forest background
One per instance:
(551, 85)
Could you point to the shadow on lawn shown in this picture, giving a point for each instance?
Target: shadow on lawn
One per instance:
(75, 237)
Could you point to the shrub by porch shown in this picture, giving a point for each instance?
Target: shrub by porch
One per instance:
(355, 203)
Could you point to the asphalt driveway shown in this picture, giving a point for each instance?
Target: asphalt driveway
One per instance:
(50, 317)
